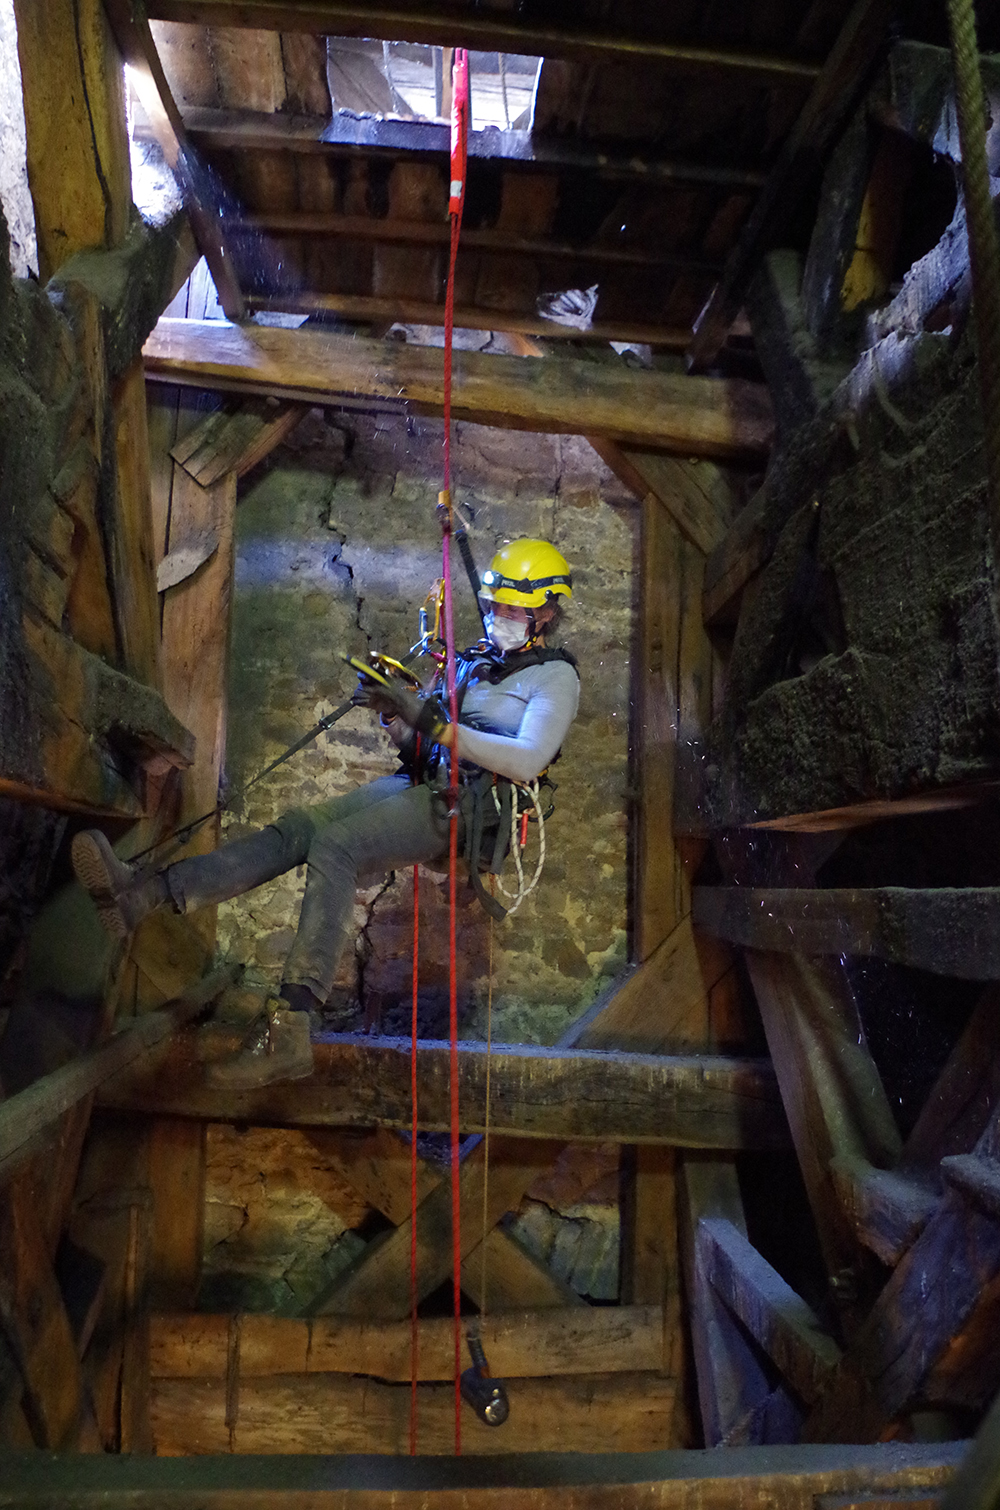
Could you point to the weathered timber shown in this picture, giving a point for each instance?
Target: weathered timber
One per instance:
(379, 1283)
(832, 1094)
(501, 1274)
(785, 1327)
(456, 26)
(93, 718)
(698, 1102)
(235, 441)
(699, 504)
(835, 234)
(23, 1116)
(741, 553)
(964, 1095)
(314, 1413)
(177, 1226)
(840, 81)
(887, 1209)
(138, 50)
(977, 1483)
(785, 1478)
(36, 1328)
(77, 145)
(527, 1345)
(951, 931)
(695, 417)
(933, 1317)
(799, 380)
(649, 1261)
(735, 1397)
(921, 97)
(976, 1178)
(131, 284)
(249, 131)
(663, 1001)
(130, 533)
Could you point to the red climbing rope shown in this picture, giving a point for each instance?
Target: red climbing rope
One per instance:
(456, 199)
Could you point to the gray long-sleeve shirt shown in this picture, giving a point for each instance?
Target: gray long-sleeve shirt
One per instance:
(516, 727)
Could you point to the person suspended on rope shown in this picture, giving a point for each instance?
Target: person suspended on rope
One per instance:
(517, 699)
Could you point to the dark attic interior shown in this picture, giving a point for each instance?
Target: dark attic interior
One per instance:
(656, 1164)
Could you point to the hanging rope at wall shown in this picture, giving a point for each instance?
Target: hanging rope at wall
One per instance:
(984, 253)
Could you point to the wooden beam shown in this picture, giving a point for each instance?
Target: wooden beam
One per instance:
(961, 1102)
(235, 440)
(832, 97)
(454, 26)
(784, 1326)
(697, 1102)
(347, 134)
(656, 1003)
(833, 1097)
(952, 931)
(697, 496)
(783, 1478)
(379, 1284)
(525, 1345)
(77, 141)
(138, 50)
(888, 1210)
(397, 308)
(24, 1116)
(318, 1413)
(700, 416)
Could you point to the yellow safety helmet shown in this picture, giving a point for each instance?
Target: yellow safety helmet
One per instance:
(527, 573)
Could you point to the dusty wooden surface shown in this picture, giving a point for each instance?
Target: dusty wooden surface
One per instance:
(697, 1101)
(695, 416)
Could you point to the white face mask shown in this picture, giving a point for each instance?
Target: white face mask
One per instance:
(506, 634)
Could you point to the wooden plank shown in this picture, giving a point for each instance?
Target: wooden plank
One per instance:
(887, 1210)
(138, 50)
(695, 416)
(317, 1414)
(78, 156)
(237, 441)
(733, 1387)
(454, 26)
(131, 549)
(650, 1261)
(697, 1101)
(953, 931)
(176, 1238)
(783, 1478)
(699, 513)
(379, 1284)
(36, 1328)
(24, 1116)
(734, 561)
(656, 1005)
(832, 97)
(524, 1345)
(786, 1328)
(964, 1096)
(832, 1094)
(501, 1275)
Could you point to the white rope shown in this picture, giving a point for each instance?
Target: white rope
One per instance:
(530, 789)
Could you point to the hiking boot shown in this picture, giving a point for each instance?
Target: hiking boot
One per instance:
(123, 894)
(277, 1047)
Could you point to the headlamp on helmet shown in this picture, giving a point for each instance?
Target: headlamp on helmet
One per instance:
(527, 573)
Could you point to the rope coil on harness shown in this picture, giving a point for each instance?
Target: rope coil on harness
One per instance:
(518, 823)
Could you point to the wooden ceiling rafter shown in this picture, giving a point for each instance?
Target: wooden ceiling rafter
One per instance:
(138, 50)
(833, 95)
(459, 26)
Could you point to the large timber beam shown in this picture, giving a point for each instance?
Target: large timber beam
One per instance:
(463, 26)
(696, 1102)
(951, 931)
(784, 1478)
(832, 97)
(692, 416)
(255, 131)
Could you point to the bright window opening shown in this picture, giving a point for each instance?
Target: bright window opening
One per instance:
(413, 81)
(14, 192)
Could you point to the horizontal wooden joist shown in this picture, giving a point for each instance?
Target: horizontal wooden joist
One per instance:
(694, 1102)
(35, 1110)
(519, 1345)
(692, 416)
(349, 134)
(947, 930)
(454, 25)
(783, 1478)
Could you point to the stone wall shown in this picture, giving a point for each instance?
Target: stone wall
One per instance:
(337, 546)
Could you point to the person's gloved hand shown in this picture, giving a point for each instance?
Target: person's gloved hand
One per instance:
(396, 700)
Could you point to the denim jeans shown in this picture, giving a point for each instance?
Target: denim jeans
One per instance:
(347, 842)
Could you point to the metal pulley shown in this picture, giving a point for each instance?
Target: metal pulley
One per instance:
(488, 1397)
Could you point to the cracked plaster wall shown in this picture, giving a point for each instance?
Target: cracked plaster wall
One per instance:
(337, 545)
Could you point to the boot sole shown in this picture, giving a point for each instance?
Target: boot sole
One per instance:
(93, 871)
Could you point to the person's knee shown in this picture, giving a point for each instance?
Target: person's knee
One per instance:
(297, 829)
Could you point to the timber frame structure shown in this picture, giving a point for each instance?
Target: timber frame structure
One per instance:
(816, 773)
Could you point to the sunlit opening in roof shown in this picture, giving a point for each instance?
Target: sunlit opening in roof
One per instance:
(412, 81)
